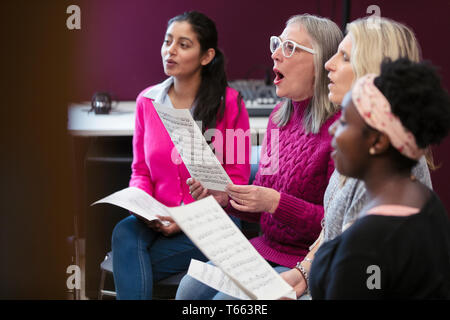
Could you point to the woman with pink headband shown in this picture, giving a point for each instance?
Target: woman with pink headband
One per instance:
(400, 247)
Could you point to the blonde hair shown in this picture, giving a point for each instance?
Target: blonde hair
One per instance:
(374, 40)
(325, 36)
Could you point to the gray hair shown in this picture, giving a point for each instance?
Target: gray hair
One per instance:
(325, 36)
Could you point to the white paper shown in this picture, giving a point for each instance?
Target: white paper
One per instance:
(216, 235)
(215, 278)
(137, 201)
(198, 157)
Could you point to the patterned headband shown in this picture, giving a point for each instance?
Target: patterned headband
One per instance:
(376, 112)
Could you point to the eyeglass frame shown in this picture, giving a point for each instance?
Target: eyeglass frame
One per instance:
(296, 45)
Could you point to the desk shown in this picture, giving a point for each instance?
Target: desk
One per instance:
(120, 122)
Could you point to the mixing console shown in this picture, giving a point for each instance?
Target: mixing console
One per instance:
(259, 98)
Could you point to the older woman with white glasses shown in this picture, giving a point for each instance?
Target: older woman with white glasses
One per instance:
(287, 194)
(287, 46)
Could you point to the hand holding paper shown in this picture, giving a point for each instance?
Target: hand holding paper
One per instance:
(138, 202)
(198, 192)
(253, 198)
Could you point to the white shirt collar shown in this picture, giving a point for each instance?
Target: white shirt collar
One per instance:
(159, 93)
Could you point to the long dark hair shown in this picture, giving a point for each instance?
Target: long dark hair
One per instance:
(210, 98)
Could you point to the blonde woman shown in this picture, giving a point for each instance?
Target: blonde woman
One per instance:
(286, 197)
(361, 51)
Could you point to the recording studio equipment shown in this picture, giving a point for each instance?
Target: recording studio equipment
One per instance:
(101, 103)
(260, 98)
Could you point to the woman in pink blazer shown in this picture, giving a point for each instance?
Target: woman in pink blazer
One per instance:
(144, 253)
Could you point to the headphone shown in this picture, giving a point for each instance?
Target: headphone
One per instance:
(101, 103)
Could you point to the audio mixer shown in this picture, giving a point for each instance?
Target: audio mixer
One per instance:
(259, 97)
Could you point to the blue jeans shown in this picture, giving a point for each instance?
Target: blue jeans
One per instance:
(142, 256)
(192, 289)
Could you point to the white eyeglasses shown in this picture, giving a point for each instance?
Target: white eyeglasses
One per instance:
(287, 46)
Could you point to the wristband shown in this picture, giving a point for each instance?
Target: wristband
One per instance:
(308, 260)
(300, 268)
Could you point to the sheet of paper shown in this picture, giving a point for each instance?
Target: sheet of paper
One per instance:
(216, 235)
(198, 157)
(137, 201)
(215, 278)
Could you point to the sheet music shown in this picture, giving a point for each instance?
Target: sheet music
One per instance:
(215, 278)
(198, 157)
(137, 201)
(216, 235)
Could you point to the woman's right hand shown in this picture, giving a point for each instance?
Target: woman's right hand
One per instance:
(152, 224)
(295, 278)
(198, 192)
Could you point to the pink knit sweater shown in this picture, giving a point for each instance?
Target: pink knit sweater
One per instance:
(304, 168)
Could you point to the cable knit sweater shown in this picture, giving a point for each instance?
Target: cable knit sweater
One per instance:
(300, 173)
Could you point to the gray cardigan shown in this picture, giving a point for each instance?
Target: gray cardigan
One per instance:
(344, 203)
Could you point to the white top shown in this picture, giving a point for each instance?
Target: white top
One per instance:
(160, 92)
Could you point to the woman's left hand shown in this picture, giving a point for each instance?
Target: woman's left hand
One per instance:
(253, 198)
(169, 229)
(295, 278)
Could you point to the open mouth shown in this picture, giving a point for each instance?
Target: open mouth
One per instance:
(331, 83)
(278, 76)
(170, 62)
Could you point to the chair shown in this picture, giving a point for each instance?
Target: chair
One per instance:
(106, 268)
(164, 289)
(254, 162)
(167, 288)
(251, 229)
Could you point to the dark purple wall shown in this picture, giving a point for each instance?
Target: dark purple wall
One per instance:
(118, 47)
